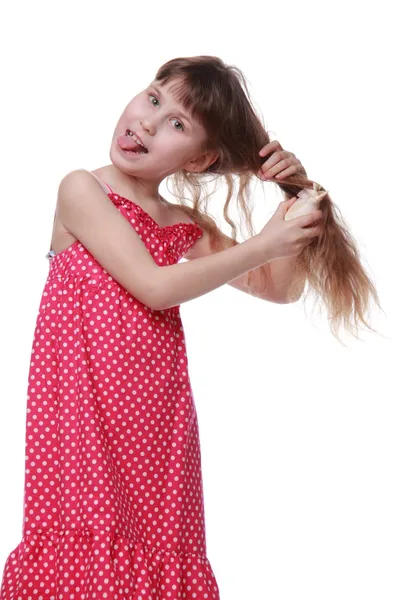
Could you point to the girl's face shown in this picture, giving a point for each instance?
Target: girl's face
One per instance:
(172, 137)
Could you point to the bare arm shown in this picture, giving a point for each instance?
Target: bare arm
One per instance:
(281, 273)
(87, 212)
(192, 279)
(277, 272)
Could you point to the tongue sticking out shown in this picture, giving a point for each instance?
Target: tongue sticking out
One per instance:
(127, 142)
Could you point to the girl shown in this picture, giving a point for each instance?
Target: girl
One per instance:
(113, 501)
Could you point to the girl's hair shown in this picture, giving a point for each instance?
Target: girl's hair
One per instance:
(216, 95)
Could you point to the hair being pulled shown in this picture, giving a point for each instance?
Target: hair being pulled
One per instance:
(217, 95)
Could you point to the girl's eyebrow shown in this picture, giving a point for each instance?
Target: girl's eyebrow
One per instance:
(178, 112)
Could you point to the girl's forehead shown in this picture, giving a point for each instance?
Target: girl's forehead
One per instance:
(173, 87)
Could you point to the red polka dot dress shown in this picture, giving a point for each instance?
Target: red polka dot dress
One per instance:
(113, 498)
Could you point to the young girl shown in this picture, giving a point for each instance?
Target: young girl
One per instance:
(113, 502)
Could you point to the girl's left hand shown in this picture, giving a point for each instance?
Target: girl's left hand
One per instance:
(280, 164)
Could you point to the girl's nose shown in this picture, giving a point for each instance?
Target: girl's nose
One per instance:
(148, 126)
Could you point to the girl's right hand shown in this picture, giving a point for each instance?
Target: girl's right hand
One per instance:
(282, 238)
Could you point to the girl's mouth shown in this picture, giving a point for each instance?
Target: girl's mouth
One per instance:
(131, 144)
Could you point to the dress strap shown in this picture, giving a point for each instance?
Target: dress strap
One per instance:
(103, 184)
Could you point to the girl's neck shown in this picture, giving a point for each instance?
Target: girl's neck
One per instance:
(129, 186)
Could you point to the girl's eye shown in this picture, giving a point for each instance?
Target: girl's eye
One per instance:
(151, 96)
(176, 121)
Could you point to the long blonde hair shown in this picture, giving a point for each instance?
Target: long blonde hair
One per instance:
(216, 94)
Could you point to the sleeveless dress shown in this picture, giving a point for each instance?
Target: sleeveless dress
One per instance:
(113, 496)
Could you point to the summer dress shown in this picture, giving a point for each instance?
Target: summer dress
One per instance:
(113, 496)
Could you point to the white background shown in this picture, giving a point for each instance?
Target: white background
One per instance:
(299, 434)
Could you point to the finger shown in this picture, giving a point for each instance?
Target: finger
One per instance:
(286, 204)
(307, 220)
(312, 232)
(269, 164)
(292, 169)
(275, 164)
(290, 201)
(269, 147)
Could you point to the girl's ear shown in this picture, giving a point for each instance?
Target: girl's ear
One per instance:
(201, 162)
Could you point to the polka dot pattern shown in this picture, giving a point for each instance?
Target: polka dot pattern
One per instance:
(113, 497)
